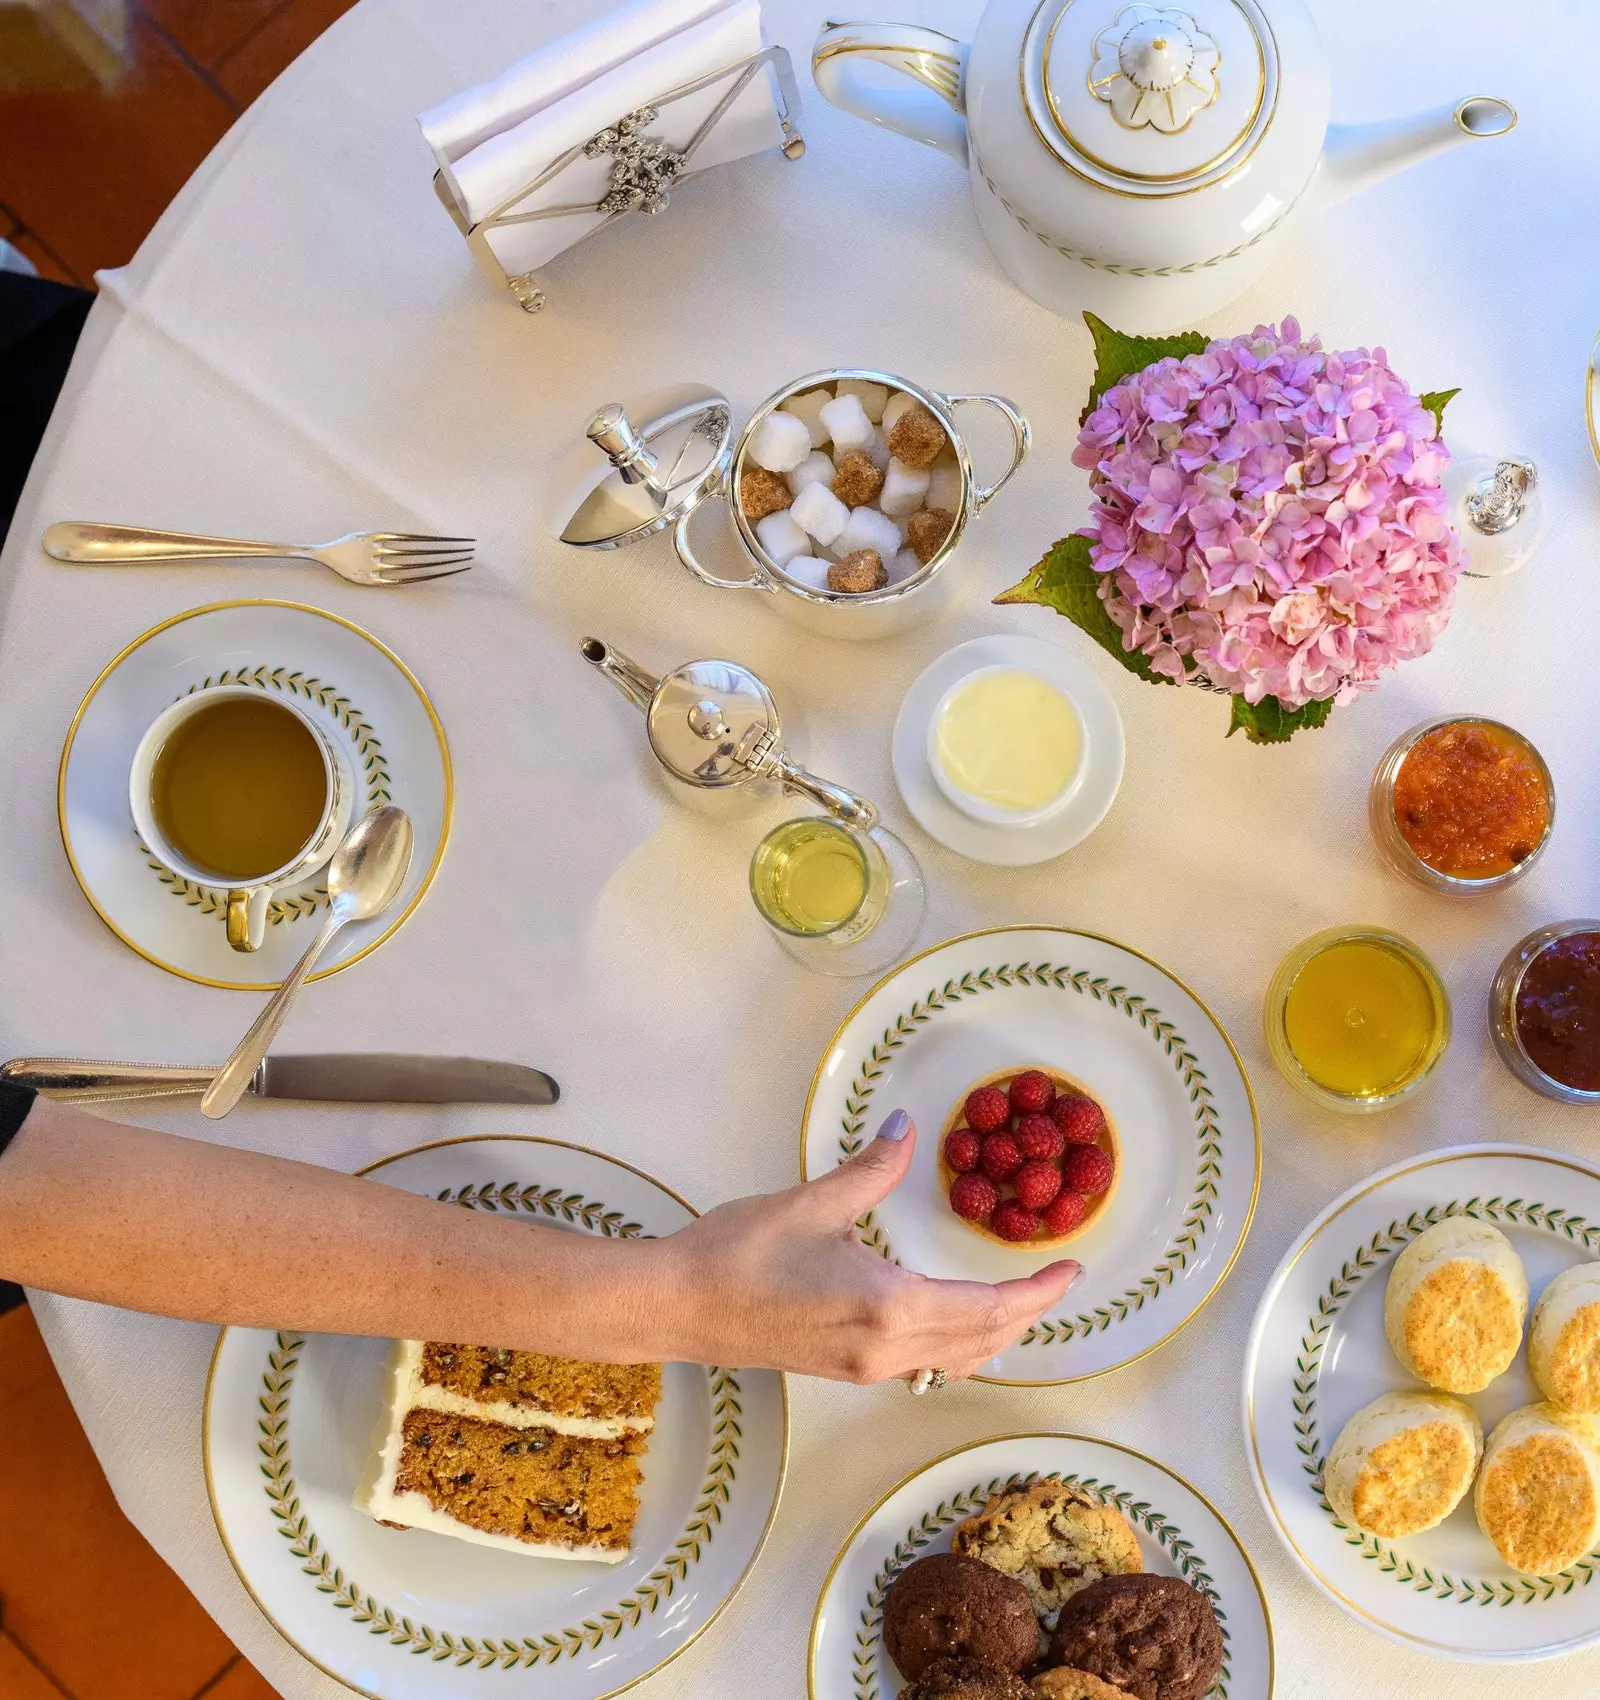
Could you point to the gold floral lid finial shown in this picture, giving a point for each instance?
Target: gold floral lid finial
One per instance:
(1154, 66)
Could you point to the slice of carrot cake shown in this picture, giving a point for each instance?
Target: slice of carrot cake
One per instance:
(514, 1450)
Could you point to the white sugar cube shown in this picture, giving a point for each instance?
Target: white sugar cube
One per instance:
(878, 448)
(903, 489)
(809, 408)
(847, 424)
(818, 511)
(816, 468)
(944, 484)
(869, 529)
(810, 570)
(871, 396)
(905, 565)
(781, 537)
(780, 442)
(897, 404)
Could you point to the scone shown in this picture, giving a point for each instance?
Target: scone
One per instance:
(949, 1607)
(1053, 1540)
(1403, 1463)
(1564, 1342)
(1455, 1305)
(1063, 1683)
(1538, 1493)
(1151, 1636)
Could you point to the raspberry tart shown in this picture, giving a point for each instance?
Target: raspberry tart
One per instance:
(1029, 1157)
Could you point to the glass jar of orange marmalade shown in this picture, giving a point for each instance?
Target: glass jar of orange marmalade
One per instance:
(1462, 804)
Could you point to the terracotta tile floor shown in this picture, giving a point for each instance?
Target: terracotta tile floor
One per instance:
(88, 169)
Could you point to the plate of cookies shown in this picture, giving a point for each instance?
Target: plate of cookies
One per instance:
(1072, 1099)
(1042, 1567)
(1422, 1402)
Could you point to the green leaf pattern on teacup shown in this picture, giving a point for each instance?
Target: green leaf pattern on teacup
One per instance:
(1185, 1241)
(490, 1652)
(1373, 1254)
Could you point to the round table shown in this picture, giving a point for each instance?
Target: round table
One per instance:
(304, 347)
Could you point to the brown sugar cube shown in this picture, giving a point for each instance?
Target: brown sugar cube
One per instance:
(927, 530)
(860, 570)
(762, 492)
(857, 481)
(917, 438)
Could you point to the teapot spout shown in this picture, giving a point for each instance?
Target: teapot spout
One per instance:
(638, 686)
(1355, 156)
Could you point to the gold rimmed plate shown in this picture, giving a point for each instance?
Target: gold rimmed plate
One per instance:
(1318, 1353)
(377, 716)
(411, 1615)
(1181, 1533)
(1148, 1049)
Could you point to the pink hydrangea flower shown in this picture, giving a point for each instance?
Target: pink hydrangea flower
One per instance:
(1271, 517)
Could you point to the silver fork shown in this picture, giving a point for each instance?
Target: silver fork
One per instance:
(363, 557)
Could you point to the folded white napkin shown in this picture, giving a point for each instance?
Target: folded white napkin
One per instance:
(493, 140)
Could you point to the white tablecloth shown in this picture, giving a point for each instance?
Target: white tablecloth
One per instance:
(303, 346)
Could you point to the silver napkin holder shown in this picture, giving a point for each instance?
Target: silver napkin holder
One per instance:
(644, 172)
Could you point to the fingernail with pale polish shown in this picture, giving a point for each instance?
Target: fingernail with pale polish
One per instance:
(896, 1125)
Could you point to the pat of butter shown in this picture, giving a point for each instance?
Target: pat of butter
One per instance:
(1009, 739)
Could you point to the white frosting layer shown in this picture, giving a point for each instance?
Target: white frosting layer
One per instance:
(378, 1495)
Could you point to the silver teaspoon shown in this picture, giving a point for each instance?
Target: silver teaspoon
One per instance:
(364, 877)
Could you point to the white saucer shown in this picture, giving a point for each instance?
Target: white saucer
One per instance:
(1009, 846)
(359, 690)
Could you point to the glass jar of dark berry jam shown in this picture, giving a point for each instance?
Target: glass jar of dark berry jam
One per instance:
(1544, 1011)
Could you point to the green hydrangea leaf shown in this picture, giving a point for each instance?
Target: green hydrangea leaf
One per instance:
(1118, 356)
(1436, 401)
(1066, 581)
(1269, 722)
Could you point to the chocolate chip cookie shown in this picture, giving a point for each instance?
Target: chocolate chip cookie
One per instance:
(1151, 1636)
(1064, 1684)
(946, 1606)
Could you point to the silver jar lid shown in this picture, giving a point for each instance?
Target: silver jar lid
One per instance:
(644, 464)
(709, 722)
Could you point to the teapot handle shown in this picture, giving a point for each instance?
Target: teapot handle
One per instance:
(686, 554)
(932, 114)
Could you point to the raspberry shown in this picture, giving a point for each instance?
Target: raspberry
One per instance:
(1014, 1221)
(987, 1109)
(973, 1197)
(1039, 1139)
(1037, 1184)
(1066, 1213)
(1086, 1168)
(1080, 1119)
(1031, 1092)
(1000, 1159)
(961, 1150)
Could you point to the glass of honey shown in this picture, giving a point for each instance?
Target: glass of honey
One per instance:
(1357, 1018)
(1462, 804)
(841, 901)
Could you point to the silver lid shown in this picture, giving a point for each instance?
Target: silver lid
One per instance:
(645, 463)
(711, 722)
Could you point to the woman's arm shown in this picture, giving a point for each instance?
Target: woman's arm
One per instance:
(178, 1227)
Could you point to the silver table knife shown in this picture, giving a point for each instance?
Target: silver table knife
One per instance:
(373, 1077)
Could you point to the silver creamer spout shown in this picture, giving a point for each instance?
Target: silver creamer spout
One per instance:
(1355, 156)
(638, 686)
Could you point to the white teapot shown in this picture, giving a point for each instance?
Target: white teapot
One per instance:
(1139, 160)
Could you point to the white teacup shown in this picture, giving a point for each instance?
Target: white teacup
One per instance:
(246, 898)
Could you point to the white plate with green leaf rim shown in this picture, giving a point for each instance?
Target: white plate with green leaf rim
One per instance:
(373, 709)
(1142, 1042)
(1181, 1533)
(1318, 1353)
(411, 1615)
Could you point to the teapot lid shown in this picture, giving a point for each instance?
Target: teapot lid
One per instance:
(710, 721)
(1146, 99)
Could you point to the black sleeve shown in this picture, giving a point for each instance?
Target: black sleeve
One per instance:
(15, 1102)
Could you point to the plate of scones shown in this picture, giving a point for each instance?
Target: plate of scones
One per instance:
(1042, 1567)
(420, 1518)
(1422, 1402)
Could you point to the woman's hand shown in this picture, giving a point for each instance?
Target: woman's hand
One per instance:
(783, 1282)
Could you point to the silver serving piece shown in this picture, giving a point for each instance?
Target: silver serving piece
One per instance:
(1498, 501)
(714, 726)
(1498, 512)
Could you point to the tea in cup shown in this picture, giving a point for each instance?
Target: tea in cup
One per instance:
(241, 792)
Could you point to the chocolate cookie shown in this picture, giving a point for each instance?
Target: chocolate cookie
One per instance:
(1152, 1636)
(945, 1606)
(966, 1679)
